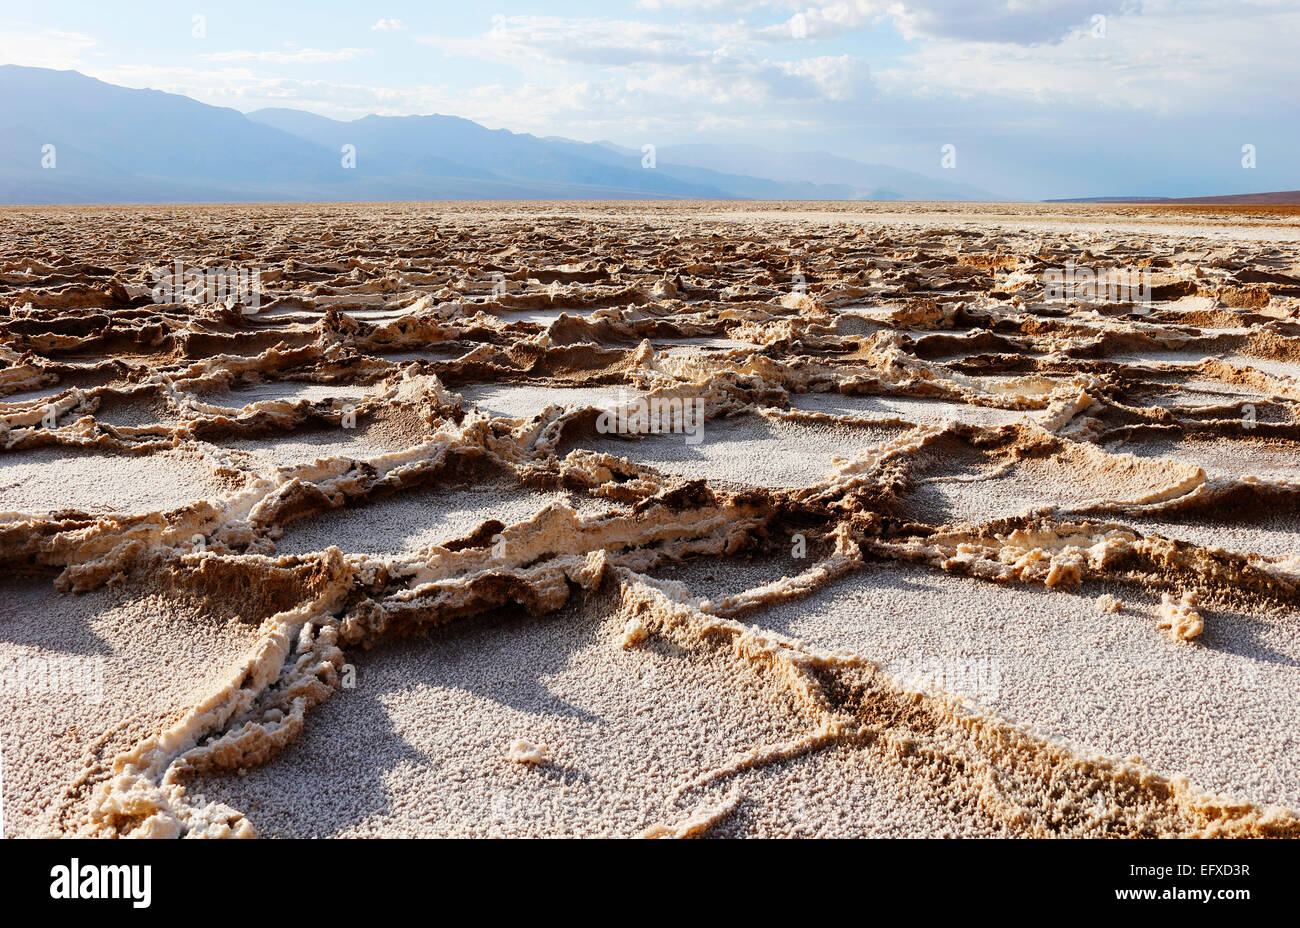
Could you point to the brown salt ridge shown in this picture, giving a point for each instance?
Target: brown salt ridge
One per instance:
(348, 386)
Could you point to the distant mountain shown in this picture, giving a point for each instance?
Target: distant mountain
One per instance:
(451, 147)
(114, 144)
(111, 143)
(863, 181)
(1276, 198)
(400, 144)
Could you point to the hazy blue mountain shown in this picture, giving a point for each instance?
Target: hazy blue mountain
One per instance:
(390, 144)
(863, 181)
(745, 186)
(121, 140)
(115, 144)
(454, 147)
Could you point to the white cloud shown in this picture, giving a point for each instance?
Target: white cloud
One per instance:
(673, 62)
(552, 40)
(1176, 57)
(301, 56)
(706, 6)
(842, 77)
(1013, 21)
(1020, 22)
(42, 48)
(389, 25)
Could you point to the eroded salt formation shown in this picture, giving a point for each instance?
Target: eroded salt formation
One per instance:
(1023, 442)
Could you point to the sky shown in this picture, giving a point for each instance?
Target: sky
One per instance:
(1038, 98)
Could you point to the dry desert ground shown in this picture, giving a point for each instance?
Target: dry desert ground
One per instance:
(719, 519)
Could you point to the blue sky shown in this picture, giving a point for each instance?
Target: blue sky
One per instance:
(1039, 97)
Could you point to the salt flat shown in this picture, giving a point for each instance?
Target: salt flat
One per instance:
(761, 519)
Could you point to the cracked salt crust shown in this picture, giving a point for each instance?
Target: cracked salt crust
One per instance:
(918, 421)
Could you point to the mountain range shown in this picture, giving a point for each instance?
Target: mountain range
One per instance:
(115, 144)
